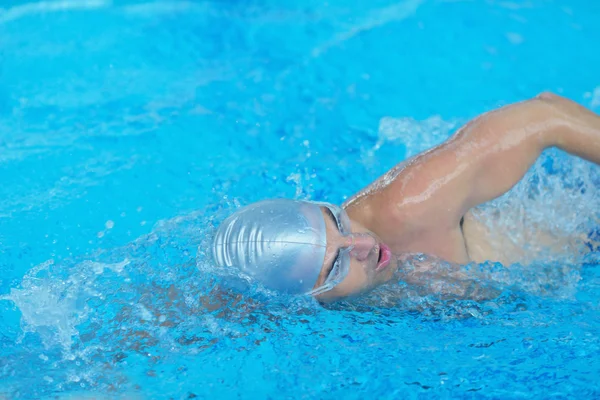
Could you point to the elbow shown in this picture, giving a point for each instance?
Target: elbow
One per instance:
(556, 111)
(549, 97)
(559, 104)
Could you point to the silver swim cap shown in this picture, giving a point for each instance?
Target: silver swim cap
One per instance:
(281, 243)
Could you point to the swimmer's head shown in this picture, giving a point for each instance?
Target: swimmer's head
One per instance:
(302, 247)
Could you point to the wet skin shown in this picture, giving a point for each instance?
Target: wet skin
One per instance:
(417, 206)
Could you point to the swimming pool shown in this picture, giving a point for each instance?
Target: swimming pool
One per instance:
(129, 129)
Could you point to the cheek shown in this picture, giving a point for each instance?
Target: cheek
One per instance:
(356, 281)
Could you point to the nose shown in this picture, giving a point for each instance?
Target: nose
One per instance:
(363, 245)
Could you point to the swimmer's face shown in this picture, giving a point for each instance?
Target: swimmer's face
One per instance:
(368, 267)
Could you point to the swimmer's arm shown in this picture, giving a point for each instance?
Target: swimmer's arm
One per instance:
(490, 154)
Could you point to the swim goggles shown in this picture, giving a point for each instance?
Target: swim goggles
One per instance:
(341, 264)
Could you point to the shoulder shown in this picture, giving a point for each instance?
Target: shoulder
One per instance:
(406, 195)
(378, 212)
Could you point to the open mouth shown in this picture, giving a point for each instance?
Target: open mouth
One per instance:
(385, 255)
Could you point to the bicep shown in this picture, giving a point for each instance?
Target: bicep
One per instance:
(483, 160)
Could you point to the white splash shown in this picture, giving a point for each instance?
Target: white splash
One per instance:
(417, 136)
(548, 217)
(53, 307)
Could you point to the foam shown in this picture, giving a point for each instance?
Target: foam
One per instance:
(416, 135)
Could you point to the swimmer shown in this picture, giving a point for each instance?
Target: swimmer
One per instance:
(421, 206)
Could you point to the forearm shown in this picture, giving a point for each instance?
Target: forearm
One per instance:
(504, 144)
(578, 131)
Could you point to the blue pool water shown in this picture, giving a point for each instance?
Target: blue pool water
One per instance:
(128, 130)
